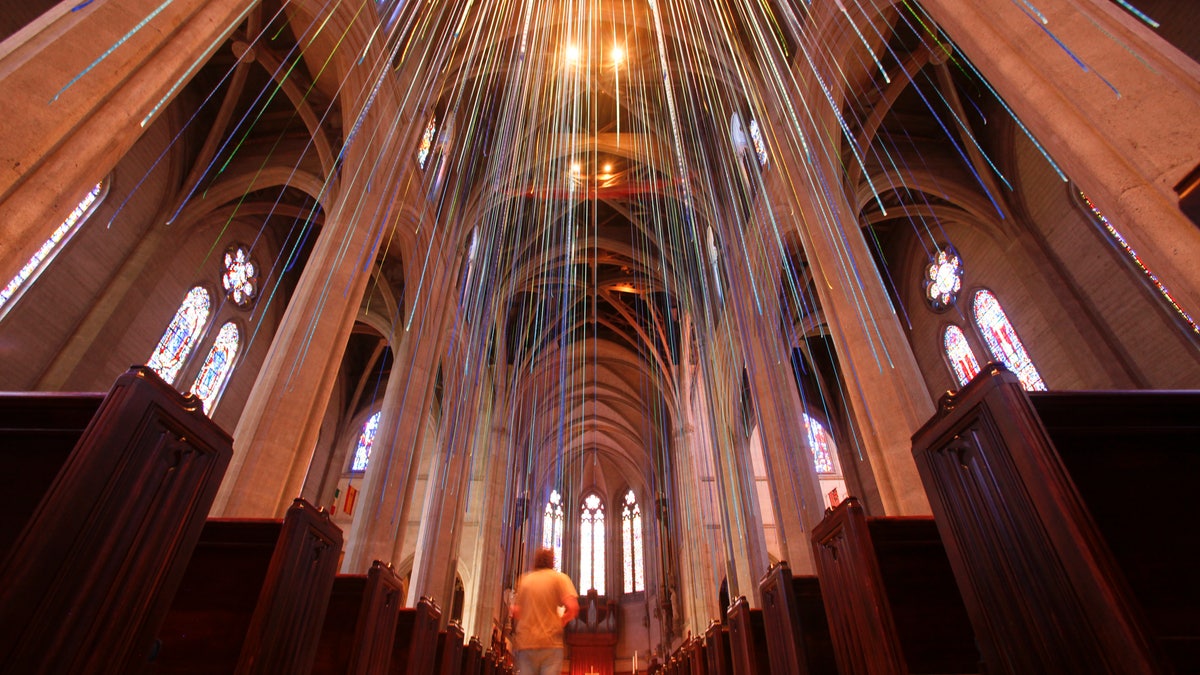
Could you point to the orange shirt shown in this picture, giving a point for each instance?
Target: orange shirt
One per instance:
(539, 595)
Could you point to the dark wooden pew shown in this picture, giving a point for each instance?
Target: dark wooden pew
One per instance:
(38, 431)
(360, 623)
(90, 576)
(415, 646)
(890, 596)
(1068, 519)
(798, 639)
(449, 658)
(747, 639)
(254, 596)
(695, 658)
(716, 649)
(473, 657)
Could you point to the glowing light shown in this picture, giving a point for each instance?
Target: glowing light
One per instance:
(572, 54)
(617, 54)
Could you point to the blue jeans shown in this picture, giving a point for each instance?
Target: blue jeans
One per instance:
(539, 661)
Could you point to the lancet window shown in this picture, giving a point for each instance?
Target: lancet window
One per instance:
(552, 527)
(591, 545)
(1002, 341)
(959, 354)
(631, 541)
(217, 368)
(366, 439)
(181, 335)
(51, 246)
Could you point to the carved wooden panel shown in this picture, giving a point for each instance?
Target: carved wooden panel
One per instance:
(1041, 587)
(287, 619)
(747, 639)
(376, 627)
(450, 650)
(472, 657)
(716, 642)
(860, 619)
(91, 576)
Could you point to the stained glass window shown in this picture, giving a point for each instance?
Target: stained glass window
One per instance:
(241, 276)
(217, 368)
(959, 353)
(48, 248)
(631, 541)
(552, 527)
(591, 545)
(823, 448)
(760, 144)
(1137, 260)
(366, 439)
(1002, 341)
(181, 335)
(427, 139)
(943, 278)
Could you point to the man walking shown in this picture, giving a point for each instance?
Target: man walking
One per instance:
(538, 640)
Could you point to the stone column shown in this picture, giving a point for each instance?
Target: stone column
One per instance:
(80, 88)
(435, 560)
(803, 194)
(381, 519)
(795, 490)
(277, 432)
(500, 492)
(1123, 121)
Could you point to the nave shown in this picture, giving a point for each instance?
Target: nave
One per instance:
(676, 289)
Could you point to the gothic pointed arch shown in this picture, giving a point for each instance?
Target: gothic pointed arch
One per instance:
(592, 549)
(182, 334)
(218, 367)
(1002, 341)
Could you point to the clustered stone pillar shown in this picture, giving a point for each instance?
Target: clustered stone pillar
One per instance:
(90, 80)
(1127, 140)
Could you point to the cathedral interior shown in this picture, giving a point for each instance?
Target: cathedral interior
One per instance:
(654, 283)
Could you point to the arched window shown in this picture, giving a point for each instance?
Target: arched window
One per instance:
(181, 335)
(366, 438)
(1002, 341)
(217, 368)
(823, 449)
(51, 246)
(591, 545)
(737, 135)
(1137, 262)
(631, 541)
(959, 354)
(427, 139)
(759, 143)
(552, 527)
